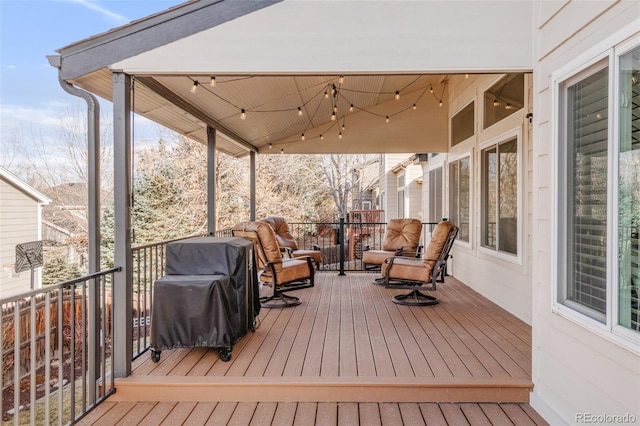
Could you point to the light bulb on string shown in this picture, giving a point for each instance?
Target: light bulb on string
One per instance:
(302, 136)
(341, 79)
(212, 83)
(508, 106)
(440, 103)
(299, 111)
(194, 88)
(387, 119)
(326, 95)
(243, 115)
(333, 116)
(321, 137)
(397, 95)
(351, 108)
(270, 146)
(340, 135)
(430, 88)
(281, 150)
(496, 102)
(415, 106)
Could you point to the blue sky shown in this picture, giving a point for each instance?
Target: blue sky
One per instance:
(31, 99)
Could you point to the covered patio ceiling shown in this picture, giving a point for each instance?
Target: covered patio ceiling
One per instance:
(372, 78)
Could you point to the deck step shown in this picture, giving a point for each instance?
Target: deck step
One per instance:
(320, 389)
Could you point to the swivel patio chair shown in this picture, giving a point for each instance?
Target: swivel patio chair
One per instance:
(416, 274)
(282, 274)
(288, 243)
(401, 238)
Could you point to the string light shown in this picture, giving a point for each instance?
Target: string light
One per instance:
(440, 103)
(340, 135)
(243, 115)
(397, 95)
(387, 119)
(496, 102)
(508, 106)
(303, 136)
(414, 106)
(194, 88)
(341, 79)
(281, 150)
(299, 111)
(212, 83)
(431, 88)
(270, 146)
(466, 76)
(351, 108)
(321, 137)
(326, 95)
(333, 116)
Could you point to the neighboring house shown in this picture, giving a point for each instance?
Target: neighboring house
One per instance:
(400, 186)
(20, 222)
(537, 135)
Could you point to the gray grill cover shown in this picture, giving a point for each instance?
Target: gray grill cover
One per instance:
(209, 297)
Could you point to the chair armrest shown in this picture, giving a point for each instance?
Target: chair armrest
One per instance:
(315, 247)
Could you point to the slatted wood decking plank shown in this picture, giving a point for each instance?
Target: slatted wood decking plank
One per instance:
(136, 414)
(366, 366)
(179, 414)
(201, 413)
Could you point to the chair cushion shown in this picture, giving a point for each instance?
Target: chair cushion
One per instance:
(438, 239)
(290, 270)
(402, 233)
(408, 269)
(376, 257)
(315, 254)
(267, 236)
(283, 234)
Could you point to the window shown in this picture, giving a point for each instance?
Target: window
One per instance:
(463, 124)
(500, 197)
(586, 193)
(459, 195)
(629, 190)
(503, 99)
(401, 194)
(599, 192)
(435, 195)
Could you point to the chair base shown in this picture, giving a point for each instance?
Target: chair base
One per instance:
(279, 300)
(379, 281)
(415, 298)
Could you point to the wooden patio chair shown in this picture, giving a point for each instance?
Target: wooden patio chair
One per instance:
(416, 274)
(401, 238)
(288, 244)
(282, 274)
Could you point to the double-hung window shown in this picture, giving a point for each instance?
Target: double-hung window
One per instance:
(598, 167)
(500, 196)
(435, 195)
(459, 195)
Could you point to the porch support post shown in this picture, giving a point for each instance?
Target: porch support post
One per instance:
(211, 180)
(123, 280)
(252, 185)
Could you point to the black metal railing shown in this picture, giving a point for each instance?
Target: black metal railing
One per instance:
(56, 354)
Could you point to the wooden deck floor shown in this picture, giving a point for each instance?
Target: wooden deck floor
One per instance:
(347, 352)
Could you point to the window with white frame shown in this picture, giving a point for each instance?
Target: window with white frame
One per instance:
(599, 190)
(435, 195)
(459, 195)
(500, 196)
(401, 194)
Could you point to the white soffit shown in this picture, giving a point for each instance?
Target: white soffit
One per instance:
(324, 36)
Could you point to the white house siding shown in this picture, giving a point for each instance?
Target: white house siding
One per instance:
(576, 369)
(19, 223)
(504, 279)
